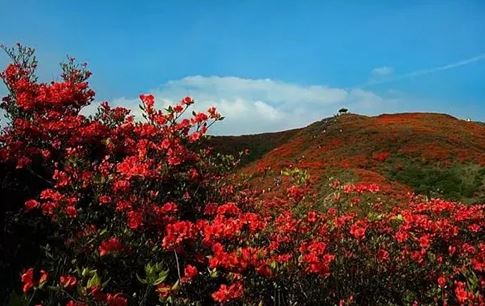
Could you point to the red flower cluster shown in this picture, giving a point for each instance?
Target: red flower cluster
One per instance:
(358, 229)
(226, 293)
(110, 245)
(29, 281)
(381, 156)
(361, 188)
(145, 213)
(68, 281)
(316, 258)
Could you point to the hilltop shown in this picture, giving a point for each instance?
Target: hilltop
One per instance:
(428, 153)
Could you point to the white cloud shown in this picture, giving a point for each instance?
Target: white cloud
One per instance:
(381, 76)
(261, 105)
(460, 63)
(382, 71)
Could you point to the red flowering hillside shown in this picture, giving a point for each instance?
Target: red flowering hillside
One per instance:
(106, 210)
(432, 154)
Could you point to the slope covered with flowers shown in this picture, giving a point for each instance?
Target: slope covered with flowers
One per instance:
(142, 213)
(432, 154)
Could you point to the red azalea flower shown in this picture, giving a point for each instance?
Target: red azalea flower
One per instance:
(97, 293)
(61, 178)
(460, 292)
(226, 293)
(187, 100)
(105, 199)
(383, 255)
(43, 277)
(164, 291)
(27, 280)
(178, 108)
(116, 299)
(312, 216)
(358, 230)
(71, 211)
(148, 101)
(401, 236)
(424, 241)
(199, 118)
(442, 281)
(190, 272)
(213, 113)
(31, 204)
(110, 245)
(451, 250)
(195, 136)
(134, 220)
(68, 281)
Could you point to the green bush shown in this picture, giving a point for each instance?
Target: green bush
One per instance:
(459, 182)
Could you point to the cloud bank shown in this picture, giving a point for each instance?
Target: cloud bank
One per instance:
(261, 105)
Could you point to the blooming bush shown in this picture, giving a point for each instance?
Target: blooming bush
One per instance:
(143, 214)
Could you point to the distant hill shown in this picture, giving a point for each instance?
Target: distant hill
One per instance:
(428, 153)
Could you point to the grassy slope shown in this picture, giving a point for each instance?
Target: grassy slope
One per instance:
(434, 154)
(258, 144)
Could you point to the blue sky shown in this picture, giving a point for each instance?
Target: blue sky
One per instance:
(268, 65)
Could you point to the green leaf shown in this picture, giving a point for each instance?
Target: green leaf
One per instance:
(161, 277)
(176, 285)
(155, 273)
(94, 281)
(472, 280)
(148, 269)
(85, 272)
(141, 280)
(213, 273)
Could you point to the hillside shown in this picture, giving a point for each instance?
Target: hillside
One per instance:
(431, 154)
(256, 145)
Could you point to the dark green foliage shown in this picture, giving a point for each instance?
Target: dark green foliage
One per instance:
(21, 236)
(257, 145)
(457, 182)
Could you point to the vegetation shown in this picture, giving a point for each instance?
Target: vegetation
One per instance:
(430, 154)
(142, 213)
(459, 182)
(253, 146)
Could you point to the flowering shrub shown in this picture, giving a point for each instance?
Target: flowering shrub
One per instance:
(142, 214)
(381, 156)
